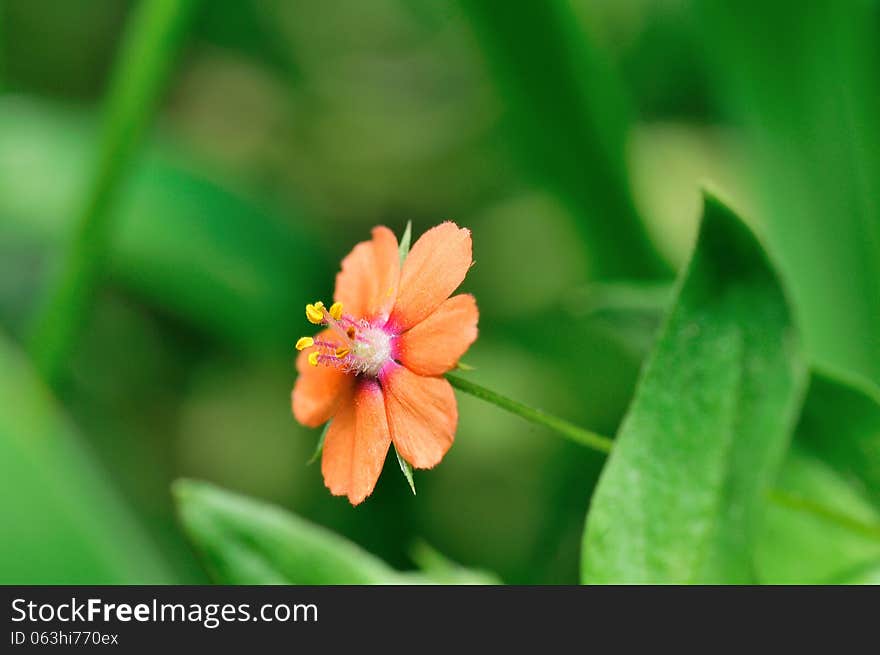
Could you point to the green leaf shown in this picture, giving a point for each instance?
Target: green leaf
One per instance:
(840, 423)
(406, 469)
(244, 541)
(680, 497)
(802, 78)
(442, 570)
(568, 119)
(839, 532)
(405, 241)
(219, 260)
(63, 522)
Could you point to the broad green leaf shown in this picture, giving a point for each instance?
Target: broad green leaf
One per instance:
(63, 522)
(817, 526)
(840, 419)
(568, 119)
(218, 259)
(840, 423)
(244, 541)
(802, 78)
(680, 497)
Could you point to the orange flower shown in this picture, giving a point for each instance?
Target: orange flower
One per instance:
(376, 370)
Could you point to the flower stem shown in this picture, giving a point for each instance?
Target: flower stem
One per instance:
(148, 49)
(604, 445)
(568, 430)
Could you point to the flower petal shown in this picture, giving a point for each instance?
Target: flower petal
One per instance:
(367, 284)
(318, 389)
(435, 345)
(435, 267)
(356, 444)
(422, 415)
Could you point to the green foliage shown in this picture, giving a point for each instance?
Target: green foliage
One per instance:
(442, 570)
(863, 575)
(569, 119)
(64, 523)
(840, 423)
(680, 497)
(803, 79)
(148, 52)
(832, 473)
(244, 541)
(216, 258)
(289, 145)
(819, 526)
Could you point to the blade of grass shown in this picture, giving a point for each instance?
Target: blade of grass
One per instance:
(149, 47)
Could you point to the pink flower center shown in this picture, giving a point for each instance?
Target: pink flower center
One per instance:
(360, 347)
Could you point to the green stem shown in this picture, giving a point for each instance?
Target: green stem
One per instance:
(149, 47)
(784, 499)
(604, 445)
(568, 430)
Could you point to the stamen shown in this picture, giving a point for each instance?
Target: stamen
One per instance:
(360, 347)
(315, 313)
(325, 345)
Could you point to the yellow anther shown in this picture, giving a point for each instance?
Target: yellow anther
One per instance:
(350, 332)
(336, 310)
(313, 357)
(342, 351)
(315, 313)
(304, 342)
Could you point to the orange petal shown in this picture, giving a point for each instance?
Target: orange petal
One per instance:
(422, 415)
(435, 267)
(367, 284)
(356, 444)
(434, 346)
(318, 389)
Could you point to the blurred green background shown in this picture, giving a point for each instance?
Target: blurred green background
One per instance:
(571, 137)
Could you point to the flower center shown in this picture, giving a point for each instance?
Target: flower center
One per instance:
(357, 346)
(372, 350)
